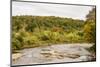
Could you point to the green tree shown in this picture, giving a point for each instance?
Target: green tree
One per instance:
(90, 29)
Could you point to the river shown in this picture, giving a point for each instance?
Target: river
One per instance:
(54, 54)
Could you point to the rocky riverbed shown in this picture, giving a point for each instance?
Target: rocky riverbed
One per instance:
(53, 54)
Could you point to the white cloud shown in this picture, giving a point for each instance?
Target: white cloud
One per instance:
(41, 9)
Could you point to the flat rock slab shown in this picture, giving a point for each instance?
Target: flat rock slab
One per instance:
(54, 54)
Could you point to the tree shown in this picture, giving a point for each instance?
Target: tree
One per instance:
(90, 29)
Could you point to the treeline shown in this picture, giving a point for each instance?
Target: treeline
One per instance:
(32, 23)
(33, 31)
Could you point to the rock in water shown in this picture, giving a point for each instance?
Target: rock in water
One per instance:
(73, 56)
(83, 58)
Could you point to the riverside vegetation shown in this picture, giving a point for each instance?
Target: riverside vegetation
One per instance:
(34, 31)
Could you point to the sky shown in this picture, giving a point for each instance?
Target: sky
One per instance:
(44, 9)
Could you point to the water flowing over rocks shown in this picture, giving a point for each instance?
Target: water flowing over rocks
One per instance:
(54, 54)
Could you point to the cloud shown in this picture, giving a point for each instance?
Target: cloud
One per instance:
(43, 9)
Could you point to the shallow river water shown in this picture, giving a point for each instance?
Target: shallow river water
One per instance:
(54, 54)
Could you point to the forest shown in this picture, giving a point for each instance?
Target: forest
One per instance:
(34, 31)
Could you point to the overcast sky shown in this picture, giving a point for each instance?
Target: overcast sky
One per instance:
(41, 9)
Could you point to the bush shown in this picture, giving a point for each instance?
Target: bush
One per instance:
(73, 37)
